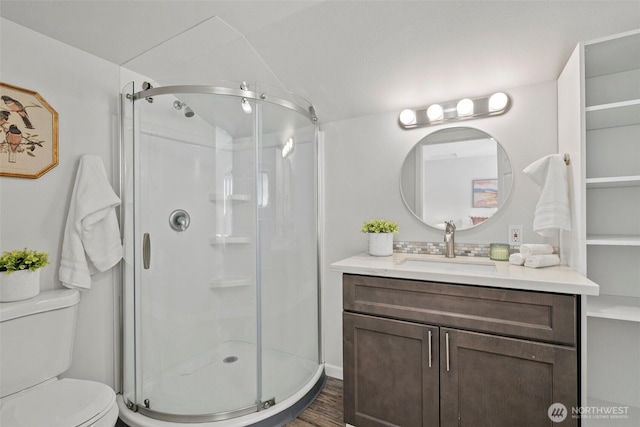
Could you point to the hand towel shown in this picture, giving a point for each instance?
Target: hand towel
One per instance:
(537, 261)
(529, 249)
(516, 259)
(553, 210)
(91, 236)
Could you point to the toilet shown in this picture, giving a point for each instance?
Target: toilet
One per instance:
(36, 341)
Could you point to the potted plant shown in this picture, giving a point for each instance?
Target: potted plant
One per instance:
(20, 274)
(380, 233)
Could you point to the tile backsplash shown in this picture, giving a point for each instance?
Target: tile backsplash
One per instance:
(430, 248)
(437, 248)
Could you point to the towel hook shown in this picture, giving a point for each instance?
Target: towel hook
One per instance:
(567, 159)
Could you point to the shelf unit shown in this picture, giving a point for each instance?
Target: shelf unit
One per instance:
(215, 198)
(599, 126)
(230, 282)
(226, 240)
(614, 307)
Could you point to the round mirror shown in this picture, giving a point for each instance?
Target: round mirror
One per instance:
(460, 174)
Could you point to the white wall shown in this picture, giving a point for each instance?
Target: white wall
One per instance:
(363, 157)
(83, 90)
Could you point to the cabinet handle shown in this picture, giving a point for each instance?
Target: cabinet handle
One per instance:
(446, 337)
(429, 348)
(146, 251)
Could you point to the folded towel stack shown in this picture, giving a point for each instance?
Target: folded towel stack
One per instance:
(535, 256)
(516, 259)
(530, 249)
(537, 261)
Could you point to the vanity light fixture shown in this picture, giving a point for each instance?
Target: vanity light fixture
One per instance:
(498, 101)
(463, 109)
(408, 117)
(435, 112)
(287, 148)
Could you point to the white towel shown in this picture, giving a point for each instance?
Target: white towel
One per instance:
(516, 259)
(537, 261)
(91, 236)
(529, 249)
(552, 211)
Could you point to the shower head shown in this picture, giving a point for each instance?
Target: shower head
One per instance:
(179, 105)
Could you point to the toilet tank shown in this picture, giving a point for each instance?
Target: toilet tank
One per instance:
(36, 339)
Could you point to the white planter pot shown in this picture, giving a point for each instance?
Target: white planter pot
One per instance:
(19, 285)
(381, 244)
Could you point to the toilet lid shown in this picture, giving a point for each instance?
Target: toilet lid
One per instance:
(64, 403)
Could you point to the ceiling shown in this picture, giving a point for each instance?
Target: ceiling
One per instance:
(349, 58)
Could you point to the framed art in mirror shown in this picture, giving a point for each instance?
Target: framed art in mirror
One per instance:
(485, 193)
(29, 139)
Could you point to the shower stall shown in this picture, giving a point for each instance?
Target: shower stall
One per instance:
(220, 281)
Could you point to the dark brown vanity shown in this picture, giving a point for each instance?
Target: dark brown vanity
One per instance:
(425, 353)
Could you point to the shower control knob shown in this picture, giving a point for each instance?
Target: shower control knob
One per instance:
(179, 220)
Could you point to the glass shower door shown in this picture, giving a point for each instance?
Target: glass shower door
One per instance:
(288, 232)
(195, 231)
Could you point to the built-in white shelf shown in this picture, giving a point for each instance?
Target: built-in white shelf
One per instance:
(614, 181)
(613, 87)
(230, 283)
(613, 240)
(614, 307)
(224, 240)
(611, 97)
(614, 114)
(217, 197)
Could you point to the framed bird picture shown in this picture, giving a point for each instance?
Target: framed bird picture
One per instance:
(29, 133)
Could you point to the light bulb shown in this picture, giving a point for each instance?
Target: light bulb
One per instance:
(498, 101)
(465, 107)
(246, 106)
(408, 117)
(435, 112)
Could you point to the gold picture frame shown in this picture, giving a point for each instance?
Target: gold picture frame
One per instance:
(28, 133)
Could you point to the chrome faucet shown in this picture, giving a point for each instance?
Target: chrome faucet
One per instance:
(449, 239)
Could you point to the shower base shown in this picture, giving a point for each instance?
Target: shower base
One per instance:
(223, 380)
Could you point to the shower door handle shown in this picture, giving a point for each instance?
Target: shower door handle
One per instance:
(146, 251)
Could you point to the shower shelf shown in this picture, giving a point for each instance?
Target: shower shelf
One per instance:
(223, 240)
(229, 283)
(217, 197)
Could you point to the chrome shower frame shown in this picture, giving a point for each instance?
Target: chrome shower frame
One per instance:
(309, 112)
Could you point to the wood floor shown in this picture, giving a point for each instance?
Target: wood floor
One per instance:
(326, 410)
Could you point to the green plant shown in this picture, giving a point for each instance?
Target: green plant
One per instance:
(379, 226)
(24, 259)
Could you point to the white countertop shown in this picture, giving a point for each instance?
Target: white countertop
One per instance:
(558, 279)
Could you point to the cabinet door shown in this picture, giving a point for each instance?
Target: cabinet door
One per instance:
(390, 372)
(495, 381)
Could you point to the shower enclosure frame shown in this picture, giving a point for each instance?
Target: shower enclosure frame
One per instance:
(313, 390)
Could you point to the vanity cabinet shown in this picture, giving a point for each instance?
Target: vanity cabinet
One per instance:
(420, 353)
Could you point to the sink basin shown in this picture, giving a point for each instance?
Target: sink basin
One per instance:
(450, 265)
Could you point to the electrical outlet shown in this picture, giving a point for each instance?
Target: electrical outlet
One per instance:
(515, 234)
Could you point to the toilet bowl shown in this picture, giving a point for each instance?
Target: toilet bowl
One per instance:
(37, 341)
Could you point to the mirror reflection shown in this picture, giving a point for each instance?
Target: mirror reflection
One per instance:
(460, 174)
